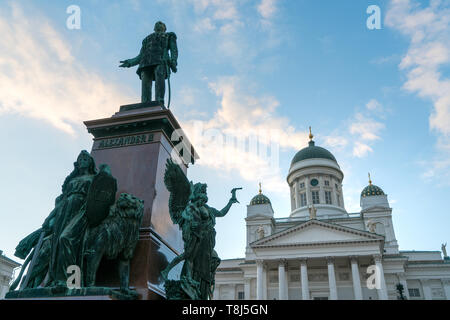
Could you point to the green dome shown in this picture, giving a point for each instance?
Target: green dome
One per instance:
(259, 199)
(372, 190)
(312, 152)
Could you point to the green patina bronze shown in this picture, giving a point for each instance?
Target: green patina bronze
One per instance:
(155, 63)
(85, 226)
(188, 209)
(312, 152)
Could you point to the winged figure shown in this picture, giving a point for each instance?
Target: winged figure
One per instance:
(188, 209)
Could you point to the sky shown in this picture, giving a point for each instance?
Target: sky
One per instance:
(378, 99)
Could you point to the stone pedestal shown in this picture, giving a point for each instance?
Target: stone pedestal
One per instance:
(136, 143)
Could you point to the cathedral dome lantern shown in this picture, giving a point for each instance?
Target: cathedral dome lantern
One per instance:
(260, 198)
(372, 196)
(260, 205)
(372, 190)
(315, 178)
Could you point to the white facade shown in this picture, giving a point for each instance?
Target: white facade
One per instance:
(7, 267)
(331, 254)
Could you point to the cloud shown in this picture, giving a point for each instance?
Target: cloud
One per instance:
(245, 134)
(39, 77)
(359, 132)
(367, 129)
(374, 105)
(241, 113)
(335, 141)
(204, 25)
(385, 60)
(428, 29)
(361, 150)
(267, 8)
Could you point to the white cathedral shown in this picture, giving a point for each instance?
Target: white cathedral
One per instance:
(323, 252)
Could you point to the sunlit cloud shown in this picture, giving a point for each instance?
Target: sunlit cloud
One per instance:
(428, 29)
(256, 132)
(361, 150)
(267, 8)
(366, 128)
(357, 136)
(41, 79)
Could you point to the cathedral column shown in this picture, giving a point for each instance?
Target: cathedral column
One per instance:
(297, 194)
(259, 279)
(292, 197)
(357, 291)
(304, 279)
(402, 280)
(321, 190)
(247, 289)
(2, 288)
(264, 281)
(216, 293)
(342, 197)
(282, 280)
(333, 193)
(382, 290)
(332, 279)
(446, 286)
(426, 289)
(308, 191)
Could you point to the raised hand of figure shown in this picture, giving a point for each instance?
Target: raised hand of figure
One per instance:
(125, 64)
(233, 195)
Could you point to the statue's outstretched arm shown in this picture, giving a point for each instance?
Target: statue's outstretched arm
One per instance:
(132, 62)
(225, 210)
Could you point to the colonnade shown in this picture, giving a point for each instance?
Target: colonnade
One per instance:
(261, 287)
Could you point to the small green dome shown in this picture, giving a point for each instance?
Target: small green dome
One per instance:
(259, 199)
(312, 152)
(372, 190)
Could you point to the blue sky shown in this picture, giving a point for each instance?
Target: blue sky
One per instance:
(379, 100)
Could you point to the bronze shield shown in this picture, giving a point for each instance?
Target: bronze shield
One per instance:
(101, 196)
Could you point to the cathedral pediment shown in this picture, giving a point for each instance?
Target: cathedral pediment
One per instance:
(315, 232)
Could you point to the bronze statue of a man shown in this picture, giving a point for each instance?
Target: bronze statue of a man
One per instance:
(155, 62)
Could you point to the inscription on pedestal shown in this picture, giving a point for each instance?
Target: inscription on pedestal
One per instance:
(118, 142)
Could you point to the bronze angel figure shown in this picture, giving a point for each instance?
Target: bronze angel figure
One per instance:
(188, 209)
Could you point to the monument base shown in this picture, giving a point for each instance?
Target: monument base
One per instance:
(184, 289)
(136, 143)
(63, 293)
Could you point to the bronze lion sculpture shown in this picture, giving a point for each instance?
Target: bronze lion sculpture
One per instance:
(115, 238)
